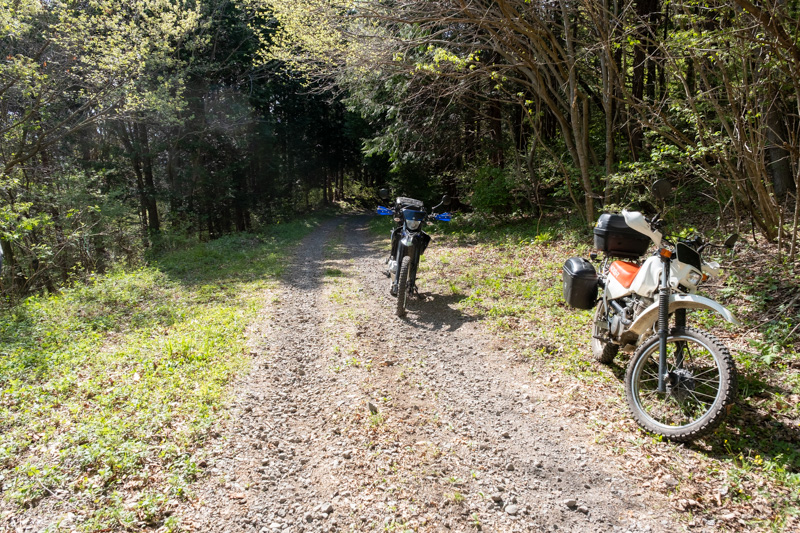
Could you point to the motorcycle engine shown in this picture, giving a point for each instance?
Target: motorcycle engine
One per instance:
(617, 323)
(632, 306)
(640, 304)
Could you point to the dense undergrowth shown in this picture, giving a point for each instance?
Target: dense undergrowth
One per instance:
(507, 272)
(109, 389)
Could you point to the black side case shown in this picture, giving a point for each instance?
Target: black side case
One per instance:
(580, 283)
(614, 237)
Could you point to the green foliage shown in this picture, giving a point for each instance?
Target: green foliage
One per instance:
(121, 378)
(490, 190)
(70, 65)
(59, 237)
(414, 180)
(144, 124)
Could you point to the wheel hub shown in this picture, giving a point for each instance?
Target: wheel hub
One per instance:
(680, 384)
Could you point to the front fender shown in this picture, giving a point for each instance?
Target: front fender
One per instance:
(415, 239)
(649, 316)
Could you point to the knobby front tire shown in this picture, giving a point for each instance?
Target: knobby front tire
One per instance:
(402, 286)
(701, 385)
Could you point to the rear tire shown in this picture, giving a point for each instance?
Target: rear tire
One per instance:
(700, 387)
(402, 286)
(603, 352)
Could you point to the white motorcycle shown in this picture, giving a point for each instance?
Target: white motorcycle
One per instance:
(680, 381)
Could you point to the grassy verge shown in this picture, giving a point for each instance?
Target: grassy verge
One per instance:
(108, 390)
(508, 274)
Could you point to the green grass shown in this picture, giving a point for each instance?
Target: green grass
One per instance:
(508, 275)
(108, 390)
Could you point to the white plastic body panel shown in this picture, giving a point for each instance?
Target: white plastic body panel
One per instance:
(649, 316)
(646, 281)
(614, 289)
(635, 220)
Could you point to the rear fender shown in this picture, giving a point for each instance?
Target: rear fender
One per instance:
(649, 316)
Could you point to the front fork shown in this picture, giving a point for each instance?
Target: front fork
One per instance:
(663, 327)
(663, 322)
(402, 251)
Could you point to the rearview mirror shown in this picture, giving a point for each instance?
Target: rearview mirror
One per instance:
(662, 189)
(445, 200)
(383, 193)
(732, 240)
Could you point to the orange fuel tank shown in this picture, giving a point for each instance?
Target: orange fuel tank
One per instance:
(624, 272)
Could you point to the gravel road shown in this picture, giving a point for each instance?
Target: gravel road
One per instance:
(356, 420)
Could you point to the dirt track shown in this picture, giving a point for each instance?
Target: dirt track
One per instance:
(464, 437)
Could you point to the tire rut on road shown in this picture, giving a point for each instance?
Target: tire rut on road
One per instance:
(355, 420)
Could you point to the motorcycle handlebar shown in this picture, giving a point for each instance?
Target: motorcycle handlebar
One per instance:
(655, 222)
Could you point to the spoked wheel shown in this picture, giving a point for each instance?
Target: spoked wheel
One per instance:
(402, 285)
(603, 352)
(700, 383)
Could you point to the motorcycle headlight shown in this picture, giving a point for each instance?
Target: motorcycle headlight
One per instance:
(413, 218)
(694, 277)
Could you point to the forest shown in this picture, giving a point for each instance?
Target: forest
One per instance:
(131, 126)
(195, 329)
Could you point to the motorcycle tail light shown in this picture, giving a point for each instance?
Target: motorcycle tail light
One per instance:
(666, 253)
(705, 277)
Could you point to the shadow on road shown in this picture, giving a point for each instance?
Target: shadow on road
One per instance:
(437, 312)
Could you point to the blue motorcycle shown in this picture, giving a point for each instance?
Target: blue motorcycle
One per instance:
(408, 243)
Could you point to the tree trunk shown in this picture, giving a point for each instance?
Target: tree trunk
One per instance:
(339, 179)
(154, 223)
(470, 133)
(637, 91)
(645, 11)
(496, 133)
(9, 262)
(777, 156)
(579, 118)
(609, 92)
